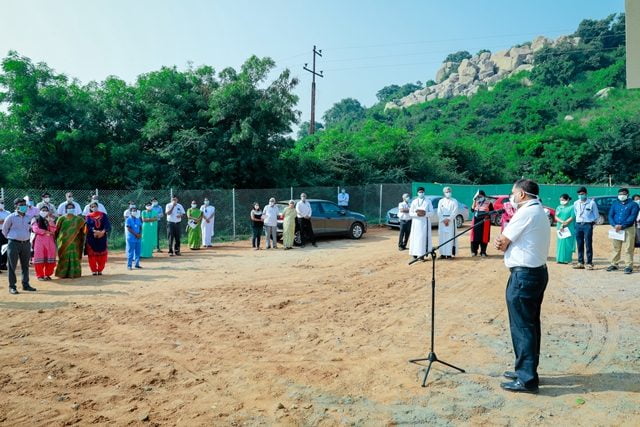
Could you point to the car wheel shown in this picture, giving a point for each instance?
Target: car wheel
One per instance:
(601, 219)
(297, 239)
(497, 219)
(459, 221)
(356, 231)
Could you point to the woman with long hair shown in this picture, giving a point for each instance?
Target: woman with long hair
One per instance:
(44, 245)
(97, 229)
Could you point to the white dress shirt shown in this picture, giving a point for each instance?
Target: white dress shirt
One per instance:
(270, 215)
(343, 199)
(403, 216)
(87, 209)
(303, 209)
(176, 214)
(62, 208)
(529, 233)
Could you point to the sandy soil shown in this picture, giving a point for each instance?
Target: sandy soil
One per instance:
(313, 337)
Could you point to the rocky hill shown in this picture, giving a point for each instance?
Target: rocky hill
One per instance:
(484, 69)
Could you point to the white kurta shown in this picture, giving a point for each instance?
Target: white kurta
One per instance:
(447, 209)
(420, 237)
(207, 227)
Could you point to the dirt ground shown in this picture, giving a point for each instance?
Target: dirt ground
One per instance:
(314, 337)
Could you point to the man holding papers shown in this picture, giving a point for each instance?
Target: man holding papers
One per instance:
(622, 217)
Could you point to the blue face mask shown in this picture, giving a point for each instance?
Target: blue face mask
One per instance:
(22, 209)
(582, 196)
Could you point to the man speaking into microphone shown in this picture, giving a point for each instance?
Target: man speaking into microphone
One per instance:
(525, 243)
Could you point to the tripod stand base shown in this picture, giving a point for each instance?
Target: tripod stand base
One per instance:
(432, 358)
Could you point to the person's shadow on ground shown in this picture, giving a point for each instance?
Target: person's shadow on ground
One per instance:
(604, 381)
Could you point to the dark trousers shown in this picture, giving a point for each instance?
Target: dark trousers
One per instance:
(255, 237)
(158, 246)
(525, 291)
(3, 258)
(405, 231)
(584, 238)
(306, 231)
(174, 234)
(476, 245)
(18, 251)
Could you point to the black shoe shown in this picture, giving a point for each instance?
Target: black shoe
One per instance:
(29, 288)
(612, 268)
(99, 273)
(170, 254)
(517, 387)
(41, 279)
(13, 291)
(137, 266)
(178, 254)
(510, 375)
(48, 278)
(628, 270)
(484, 255)
(95, 273)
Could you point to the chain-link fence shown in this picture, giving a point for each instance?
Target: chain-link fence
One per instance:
(232, 206)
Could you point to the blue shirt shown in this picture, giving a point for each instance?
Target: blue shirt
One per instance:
(623, 214)
(18, 227)
(587, 211)
(135, 224)
(158, 211)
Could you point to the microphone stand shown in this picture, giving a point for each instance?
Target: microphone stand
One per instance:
(431, 357)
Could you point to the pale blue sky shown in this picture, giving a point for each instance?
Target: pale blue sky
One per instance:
(366, 44)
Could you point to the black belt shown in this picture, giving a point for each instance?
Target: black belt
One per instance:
(527, 269)
(19, 241)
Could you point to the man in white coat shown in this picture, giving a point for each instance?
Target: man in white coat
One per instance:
(447, 212)
(420, 238)
(208, 218)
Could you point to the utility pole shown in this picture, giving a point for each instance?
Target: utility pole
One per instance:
(312, 126)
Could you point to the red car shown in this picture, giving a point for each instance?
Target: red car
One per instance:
(498, 202)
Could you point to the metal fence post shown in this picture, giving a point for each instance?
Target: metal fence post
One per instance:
(2, 193)
(380, 208)
(233, 209)
(291, 198)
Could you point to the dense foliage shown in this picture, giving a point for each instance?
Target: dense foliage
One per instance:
(202, 129)
(547, 124)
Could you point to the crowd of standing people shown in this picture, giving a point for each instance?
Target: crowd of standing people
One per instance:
(574, 222)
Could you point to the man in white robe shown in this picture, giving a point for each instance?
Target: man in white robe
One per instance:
(208, 218)
(420, 237)
(447, 212)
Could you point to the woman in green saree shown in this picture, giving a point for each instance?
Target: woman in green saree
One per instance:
(565, 218)
(70, 242)
(149, 231)
(194, 231)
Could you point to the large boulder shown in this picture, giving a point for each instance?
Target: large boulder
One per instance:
(444, 71)
(540, 42)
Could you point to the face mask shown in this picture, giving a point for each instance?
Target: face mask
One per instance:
(303, 198)
(256, 207)
(206, 203)
(148, 207)
(131, 206)
(405, 198)
(22, 209)
(44, 214)
(154, 204)
(136, 214)
(622, 197)
(71, 211)
(447, 195)
(563, 202)
(46, 200)
(637, 201)
(69, 199)
(344, 191)
(30, 203)
(92, 209)
(193, 205)
(421, 195)
(481, 199)
(582, 197)
(272, 203)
